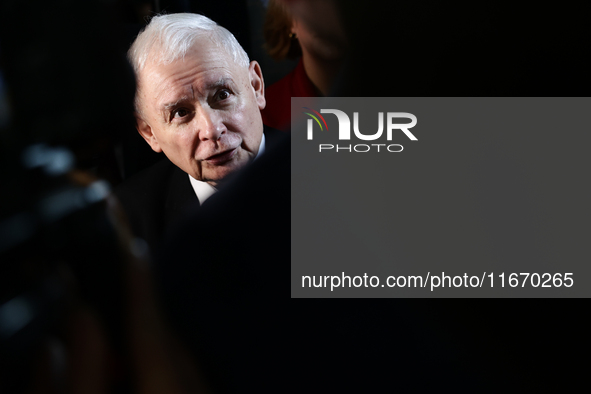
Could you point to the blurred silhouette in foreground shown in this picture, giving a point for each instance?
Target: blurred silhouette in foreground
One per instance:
(221, 276)
(76, 308)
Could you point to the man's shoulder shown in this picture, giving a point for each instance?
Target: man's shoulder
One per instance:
(149, 181)
(155, 190)
(154, 198)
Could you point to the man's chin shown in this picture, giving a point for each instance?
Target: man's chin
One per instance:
(217, 175)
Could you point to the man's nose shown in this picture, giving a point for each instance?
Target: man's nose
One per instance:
(210, 125)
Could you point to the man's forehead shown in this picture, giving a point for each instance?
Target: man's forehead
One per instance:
(201, 50)
(206, 67)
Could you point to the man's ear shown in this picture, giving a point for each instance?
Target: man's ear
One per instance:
(258, 83)
(146, 131)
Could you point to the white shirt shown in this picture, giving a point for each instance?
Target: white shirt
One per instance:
(204, 190)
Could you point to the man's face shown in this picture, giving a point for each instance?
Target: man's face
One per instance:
(203, 111)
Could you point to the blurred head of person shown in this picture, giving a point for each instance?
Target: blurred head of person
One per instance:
(280, 41)
(198, 97)
(310, 29)
(297, 27)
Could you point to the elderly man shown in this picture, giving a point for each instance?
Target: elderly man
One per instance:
(198, 100)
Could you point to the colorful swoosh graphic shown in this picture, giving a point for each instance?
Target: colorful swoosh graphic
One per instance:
(316, 119)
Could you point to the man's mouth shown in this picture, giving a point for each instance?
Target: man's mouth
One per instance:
(221, 158)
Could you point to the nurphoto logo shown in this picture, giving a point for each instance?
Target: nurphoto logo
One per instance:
(344, 133)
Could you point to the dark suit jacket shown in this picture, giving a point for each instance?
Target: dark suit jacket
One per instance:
(156, 197)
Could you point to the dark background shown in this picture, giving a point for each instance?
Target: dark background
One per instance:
(67, 84)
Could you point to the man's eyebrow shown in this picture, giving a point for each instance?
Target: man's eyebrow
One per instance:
(167, 106)
(175, 103)
(224, 81)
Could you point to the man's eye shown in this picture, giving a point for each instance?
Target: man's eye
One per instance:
(180, 113)
(223, 94)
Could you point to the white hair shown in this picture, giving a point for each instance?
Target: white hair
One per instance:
(169, 37)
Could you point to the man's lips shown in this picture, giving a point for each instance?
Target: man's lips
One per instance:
(221, 158)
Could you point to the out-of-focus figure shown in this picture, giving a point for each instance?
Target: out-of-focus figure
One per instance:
(314, 32)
